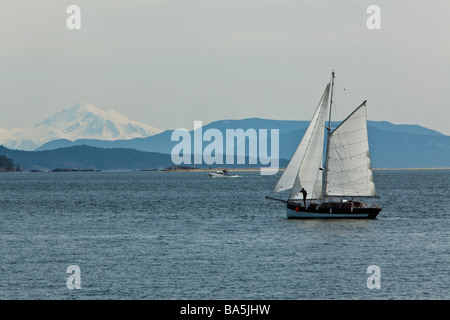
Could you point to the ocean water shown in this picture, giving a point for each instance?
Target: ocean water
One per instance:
(182, 235)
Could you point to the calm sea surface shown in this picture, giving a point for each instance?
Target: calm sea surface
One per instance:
(181, 235)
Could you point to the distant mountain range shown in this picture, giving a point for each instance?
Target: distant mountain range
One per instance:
(82, 121)
(391, 145)
(117, 142)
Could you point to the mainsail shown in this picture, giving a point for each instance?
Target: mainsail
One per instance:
(348, 166)
(304, 168)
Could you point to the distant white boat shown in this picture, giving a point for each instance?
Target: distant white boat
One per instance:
(331, 190)
(221, 174)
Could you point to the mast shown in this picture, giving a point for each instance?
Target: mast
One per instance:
(325, 173)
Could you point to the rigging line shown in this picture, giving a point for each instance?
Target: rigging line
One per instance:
(341, 108)
(270, 198)
(346, 90)
(349, 144)
(349, 105)
(389, 199)
(346, 96)
(344, 170)
(337, 110)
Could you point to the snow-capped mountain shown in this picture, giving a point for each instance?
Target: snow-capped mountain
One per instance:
(82, 121)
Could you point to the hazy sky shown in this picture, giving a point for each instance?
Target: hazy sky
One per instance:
(168, 63)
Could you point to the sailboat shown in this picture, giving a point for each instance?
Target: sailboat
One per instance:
(339, 184)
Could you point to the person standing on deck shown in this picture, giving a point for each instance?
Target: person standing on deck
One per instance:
(303, 191)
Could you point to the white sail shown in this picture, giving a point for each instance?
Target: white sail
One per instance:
(348, 167)
(303, 169)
